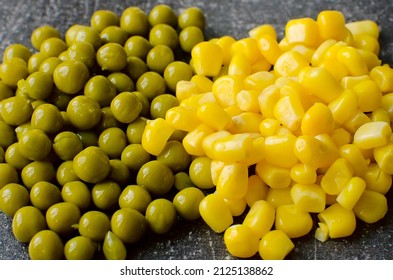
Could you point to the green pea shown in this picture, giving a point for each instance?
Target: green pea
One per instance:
(175, 72)
(134, 156)
(44, 194)
(77, 193)
(113, 247)
(145, 112)
(161, 215)
(83, 33)
(48, 66)
(94, 225)
(129, 225)
(151, 84)
(42, 33)
(126, 107)
(161, 104)
(35, 61)
(135, 197)
(159, 57)
(187, 203)
(137, 46)
(192, 16)
(134, 21)
(62, 217)
(102, 19)
(7, 134)
(48, 118)
(121, 81)
(119, 172)
(26, 222)
(70, 76)
(100, 89)
(162, 14)
(189, 37)
(13, 196)
(67, 145)
(105, 195)
(83, 52)
(5, 91)
(13, 157)
(175, 156)
(108, 120)
(17, 50)
(112, 57)
(135, 130)
(13, 70)
(156, 177)
(80, 248)
(16, 110)
(46, 245)
(114, 34)
(65, 173)
(35, 144)
(53, 46)
(112, 141)
(164, 34)
(135, 67)
(182, 181)
(84, 112)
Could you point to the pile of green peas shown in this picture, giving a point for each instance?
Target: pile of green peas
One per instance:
(74, 176)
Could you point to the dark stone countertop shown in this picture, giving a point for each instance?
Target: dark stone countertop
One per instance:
(194, 240)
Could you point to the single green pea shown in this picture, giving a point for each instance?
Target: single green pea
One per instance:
(80, 248)
(119, 172)
(26, 222)
(135, 67)
(44, 194)
(13, 196)
(182, 181)
(102, 19)
(121, 81)
(187, 203)
(112, 141)
(192, 16)
(161, 215)
(112, 57)
(17, 50)
(113, 247)
(175, 156)
(13, 157)
(65, 173)
(35, 61)
(62, 217)
(37, 85)
(7, 134)
(13, 70)
(16, 110)
(48, 66)
(42, 33)
(135, 197)
(114, 34)
(161, 104)
(137, 46)
(164, 34)
(135, 130)
(134, 156)
(46, 245)
(134, 21)
(100, 89)
(5, 91)
(175, 72)
(35, 144)
(70, 76)
(108, 120)
(156, 177)
(84, 112)
(94, 225)
(162, 13)
(77, 193)
(178, 135)
(128, 224)
(83, 52)
(48, 118)
(83, 33)
(159, 57)
(52, 47)
(151, 84)
(126, 107)
(189, 37)
(67, 145)
(105, 195)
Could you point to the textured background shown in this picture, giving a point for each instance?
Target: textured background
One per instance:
(195, 240)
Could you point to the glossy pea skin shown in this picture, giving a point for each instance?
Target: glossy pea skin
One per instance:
(200, 172)
(162, 14)
(129, 225)
(161, 215)
(83, 33)
(44, 194)
(161, 104)
(105, 195)
(145, 112)
(183, 181)
(35, 61)
(46, 245)
(175, 156)
(16, 110)
(135, 67)
(134, 21)
(53, 47)
(62, 217)
(65, 173)
(119, 172)
(126, 107)
(48, 118)
(121, 81)
(100, 89)
(187, 203)
(70, 76)
(48, 66)
(17, 50)
(113, 247)
(77, 193)
(38, 85)
(189, 37)
(112, 57)
(67, 145)
(177, 71)
(84, 112)
(7, 134)
(156, 177)
(101, 19)
(26, 222)
(94, 225)
(112, 141)
(135, 130)
(15, 158)
(80, 248)
(13, 196)
(35, 144)
(134, 156)
(159, 57)
(83, 52)
(192, 16)
(137, 46)
(13, 70)
(151, 84)
(37, 171)
(135, 197)
(42, 33)
(114, 34)
(164, 34)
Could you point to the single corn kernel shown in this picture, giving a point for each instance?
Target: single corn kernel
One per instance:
(354, 156)
(353, 61)
(256, 152)
(372, 60)
(314, 78)
(293, 221)
(279, 150)
(319, 55)
(239, 65)
(336, 176)
(275, 245)
(331, 25)
(387, 104)
(225, 43)
(364, 27)
(207, 58)
(376, 179)
(307, 52)
(371, 207)
(260, 218)
(240, 241)
(237, 206)
(341, 222)
(366, 42)
(245, 122)
(317, 120)
(260, 65)
(185, 89)
(202, 82)
(308, 197)
(356, 121)
(303, 174)
(278, 197)
(281, 82)
(259, 80)
(350, 194)
(273, 176)
(302, 30)
(341, 136)
(215, 212)
(383, 76)
(257, 190)
(290, 63)
(226, 88)
(289, 111)
(335, 68)
(248, 47)
(269, 127)
(267, 100)
(213, 115)
(349, 82)
(383, 156)
(296, 89)
(269, 48)
(322, 232)
(194, 101)
(208, 142)
(380, 115)
(233, 110)
(264, 29)
(372, 134)
(215, 170)
(344, 106)
(156, 135)
(192, 142)
(233, 181)
(233, 147)
(247, 100)
(182, 118)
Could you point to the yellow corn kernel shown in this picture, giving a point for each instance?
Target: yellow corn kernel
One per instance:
(237, 206)
(247, 100)
(260, 218)
(340, 136)
(335, 68)
(336, 176)
(225, 43)
(215, 169)
(293, 221)
(281, 82)
(380, 115)
(331, 25)
(319, 54)
(344, 106)
(371, 207)
(349, 82)
(289, 111)
(213, 115)
(275, 245)
(226, 88)
(308, 197)
(182, 118)
(256, 152)
(366, 42)
(372, 60)
(303, 174)
(194, 101)
(279, 150)
(372, 134)
(387, 104)
(185, 89)
(233, 181)
(290, 63)
(354, 156)
(248, 47)
(364, 27)
(269, 127)
(207, 58)
(278, 197)
(383, 76)
(239, 65)
(317, 120)
(193, 141)
(269, 48)
(267, 100)
(233, 110)
(302, 30)
(376, 179)
(202, 82)
(322, 232)
(273, 176)
(353, 61)
(240, 241)
(223, 72)
(340, 221)
(208, 142)
(314, 78)
(264, 29)
(246, 122)
(284, 45)
(355, 121)
(257, 190)
(215, 212)
(331, 52)
(156, 135)
(259, 80)
(296, 89)
(233, 147)
(306, 52)
(383, 156)
(260, 65)
(350, 194)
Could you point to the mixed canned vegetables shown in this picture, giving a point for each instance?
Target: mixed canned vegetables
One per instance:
(127, 124)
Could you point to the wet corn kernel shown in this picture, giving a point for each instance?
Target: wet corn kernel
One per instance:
(319, 54)
(317, 119)
(387, 104)
(372, 134)
(156, 135)
(350, 81)
(383, 156)
(296, 89)
(293, 221)
(353, 154)
(203, 83)
(289, 111)
(215, 212)
(331, 25)
(237, 206)
(322, 232)
(350, 194)
(383, 76)
(194, 101)
(278, 197)
(269, 127)
(371, 59)
(274, 176)
(344, 106)
(233, 147)
(182, 118)
(309, 197)
(369, 96)
(366, 42)
(193, 141)
(215, 170)
(264, 29)
(303, 174)
(335, 68)
(256, 151)
(303, 31)
(275, 245)
(256, 190)
(259, 80)
(226, 43)
(289, 64)
(268, 99)
(240, 241)
(380, 115)
(245, 122)
(371, 207)
(279, 150)
(247, 100)
(248, 47)
(239, 65)
(269, 48)
(355, 121)
(225, 89)
(213, 115)
(341, 136)
(233, 181)
(208, 142)
(376, 179)
(207, 58)
(336, 176)
(340, 221)
(353, 61)
(185, 89)
(260, 218)
(364, 27)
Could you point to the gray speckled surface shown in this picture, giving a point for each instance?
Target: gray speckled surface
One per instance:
(194, 240)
